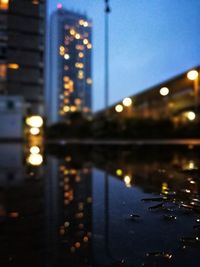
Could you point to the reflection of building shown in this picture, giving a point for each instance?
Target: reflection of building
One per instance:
(22, 51)
(69, 85)
(69, 212)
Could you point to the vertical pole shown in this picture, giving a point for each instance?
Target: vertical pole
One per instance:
(107, 11)
(196, 93)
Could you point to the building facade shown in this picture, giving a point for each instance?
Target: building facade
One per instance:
(69, 77)
(22, 37)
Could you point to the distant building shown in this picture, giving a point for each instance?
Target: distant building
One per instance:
(177, 99)
(11, 117)
(22, 30)
(69, 83)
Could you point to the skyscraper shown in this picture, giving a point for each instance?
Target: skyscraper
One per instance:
(22, 25)
(69, 84)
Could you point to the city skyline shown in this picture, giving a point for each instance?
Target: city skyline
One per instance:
(160, 50)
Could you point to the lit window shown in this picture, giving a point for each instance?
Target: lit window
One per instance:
(85, 41)
(77, 101)
(72, 32)
(4, 4)
(81, 22)
(65, 78)
(66, 68)
(89, 46)
(3, 69)
(80, 74)
(66, 108)
(35, 2)
(79, 65)
(77, 36)
(66, 86)
(89, 81)
(80, 54)
(85, 24)
(13, 66)
(66, 56)
(73, 109)
(79, 47)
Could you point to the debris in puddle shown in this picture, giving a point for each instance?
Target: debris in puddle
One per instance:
(169, 217)
(158, 254)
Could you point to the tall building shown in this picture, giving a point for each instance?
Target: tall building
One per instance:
(70, 84)
(22, 25)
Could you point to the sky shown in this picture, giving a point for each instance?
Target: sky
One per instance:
(150, 41)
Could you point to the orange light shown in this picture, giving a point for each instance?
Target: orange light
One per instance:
(13, 66)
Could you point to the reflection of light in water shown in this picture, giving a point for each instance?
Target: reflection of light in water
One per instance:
(35, 159)
(190, 165)
(127, 180)
(34, 121)
(34, 150)
(165, 188)
(34, 131)
(119, 172)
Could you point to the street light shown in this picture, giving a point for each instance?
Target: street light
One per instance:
(164, 91)
(193, 75)
(127, 102)
(119, 108)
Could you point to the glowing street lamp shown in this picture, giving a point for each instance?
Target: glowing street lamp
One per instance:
(164, 91)
(191, 116)
(119, 108)
(193, 75)
(127, 102)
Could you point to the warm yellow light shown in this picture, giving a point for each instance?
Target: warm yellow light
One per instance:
(192, 75)
(62, 48)
(73, 109)
(34, 150)
(119, 108)
(80, 74)
(79, 65)
(89, 81)
(119, 172)
(4, 4)
(77, 36)
(80, 54)
(65, 78)
(13, 66)
(81, 22)
(72, 32)
(79, 47)
(89, 46)
(66, 56)
(127, 180)
(164, 91)
(85, 41)
(66, 108)
(34, 131)
(35, 159)
(127, 101)
(34, 121)
(77, 101)
(85, 24)
(191, 115)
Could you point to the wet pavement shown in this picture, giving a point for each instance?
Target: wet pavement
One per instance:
(98, 206)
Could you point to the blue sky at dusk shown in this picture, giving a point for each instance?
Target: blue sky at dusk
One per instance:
(150, 41)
